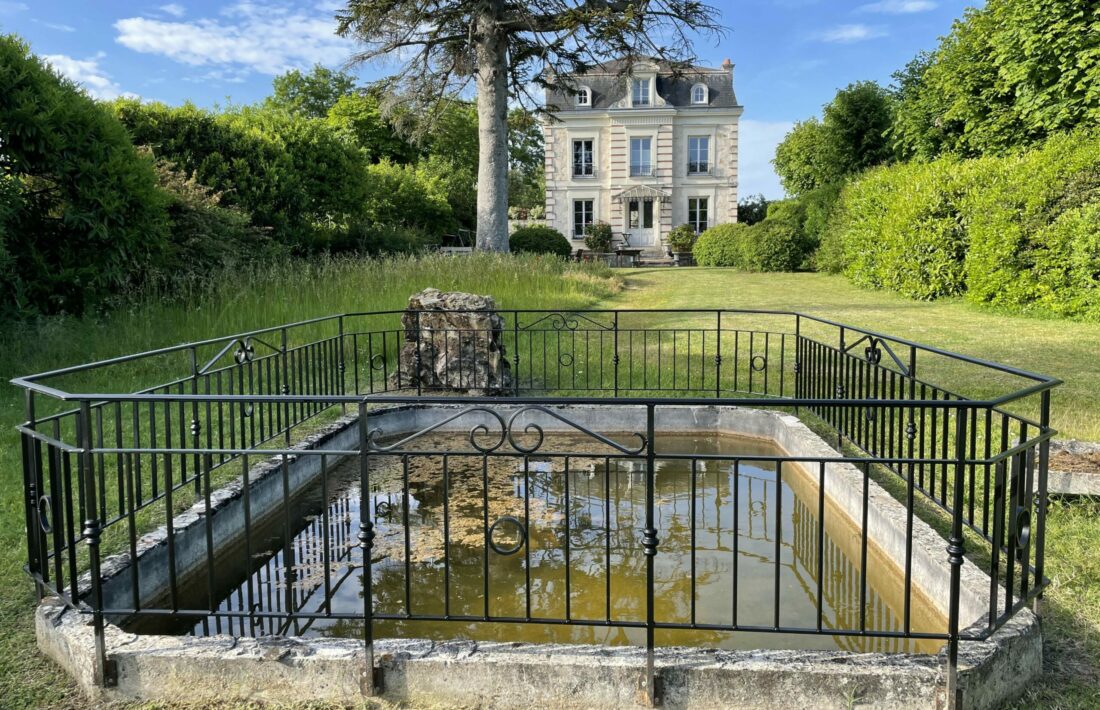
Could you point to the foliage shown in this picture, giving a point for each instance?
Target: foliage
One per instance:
(851, 137)
(597, 237)
(752, 209)
(1034, 230)
(1009, 74)
(540, 240)
(276, 166)
(81, 211)
(901, 230)
(204, 236)
(681, 238)
(1018, 231)
(801, 159)
(721, 245)
(407, 196)
(358, 117)
(312, 94)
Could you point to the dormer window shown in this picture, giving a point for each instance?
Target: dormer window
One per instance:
(584, 97)
(699, 94)
(640, 92)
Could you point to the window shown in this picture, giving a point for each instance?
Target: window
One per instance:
(698, 155)
(583, 163)
(697, 213)
(640, 214)
(640, 92)
(641, 162)
(584, 98)
(582, 217)
(699, 94)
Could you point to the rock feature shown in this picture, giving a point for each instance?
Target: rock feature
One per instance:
(458, 339)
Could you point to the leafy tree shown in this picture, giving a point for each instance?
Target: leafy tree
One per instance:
(802, 160)
(312, 94)
(856, 124)
(851, 137)
(1009, 74)
(752, 209)
(358, 117)
(505, 47)
(81, 213)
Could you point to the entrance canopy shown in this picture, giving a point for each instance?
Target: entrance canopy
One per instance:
(644, 193)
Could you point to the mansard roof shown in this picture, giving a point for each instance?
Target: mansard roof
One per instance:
(608, 83)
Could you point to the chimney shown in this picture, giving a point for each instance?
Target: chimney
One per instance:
(727, 64)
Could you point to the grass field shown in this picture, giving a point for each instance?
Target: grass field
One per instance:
(1059, 348)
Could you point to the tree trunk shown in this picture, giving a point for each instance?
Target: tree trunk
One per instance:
(492, 128)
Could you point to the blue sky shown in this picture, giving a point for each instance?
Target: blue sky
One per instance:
(790, 55)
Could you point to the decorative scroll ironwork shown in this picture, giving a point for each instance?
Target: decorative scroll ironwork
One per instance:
(508, 430)
(244, 352)
(565, 321)
(872, 353)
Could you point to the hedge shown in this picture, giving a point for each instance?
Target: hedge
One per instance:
(771, 245)
(539, 240)
(1019, 232)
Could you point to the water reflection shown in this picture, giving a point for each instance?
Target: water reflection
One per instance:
(582, 556)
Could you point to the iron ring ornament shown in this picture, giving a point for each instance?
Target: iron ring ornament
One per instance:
(378, 362)
(521, 535)
(565, 359)
(45, 513)
(759, 363)
(1023, 528)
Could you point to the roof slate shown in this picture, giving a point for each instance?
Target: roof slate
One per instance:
(609, 82)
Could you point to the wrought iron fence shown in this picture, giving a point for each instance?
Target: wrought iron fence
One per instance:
(102, 466)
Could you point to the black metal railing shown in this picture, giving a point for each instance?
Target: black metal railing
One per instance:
(102, 466)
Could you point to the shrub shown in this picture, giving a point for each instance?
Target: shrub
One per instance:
(721, 245)
(540, 240)
(899, 228)
(407, 196)
(597, 237)
(82, 213)
(1034, 230)
(682, 238)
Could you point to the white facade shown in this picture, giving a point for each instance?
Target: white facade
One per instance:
(643, 151)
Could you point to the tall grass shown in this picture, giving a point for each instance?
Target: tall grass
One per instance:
(225, 303)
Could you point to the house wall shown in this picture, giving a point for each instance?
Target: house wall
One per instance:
(611, 130)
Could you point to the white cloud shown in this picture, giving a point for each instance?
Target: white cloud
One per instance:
(269, 39)
(756, 143)
(846, 34)
(88, 74)
(173, 9)
(12, 7)
(898, 7)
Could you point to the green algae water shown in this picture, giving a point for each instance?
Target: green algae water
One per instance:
(566, 543)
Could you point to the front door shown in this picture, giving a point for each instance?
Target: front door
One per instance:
(639, 222)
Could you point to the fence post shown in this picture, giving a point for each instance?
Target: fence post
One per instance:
(31, 471)
(341, 368)
(105, 670)
(718, 359)
(196, 425)
(615, 357)
(418, 374)
(515, 352)
(284, 388)
(955, 552)
(1041, 493)
(799, 353)
(649, 545)
(367, 684)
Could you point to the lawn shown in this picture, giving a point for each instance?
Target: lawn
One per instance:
(1059, 348)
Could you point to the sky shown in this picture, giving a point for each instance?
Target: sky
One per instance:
(791, 56)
